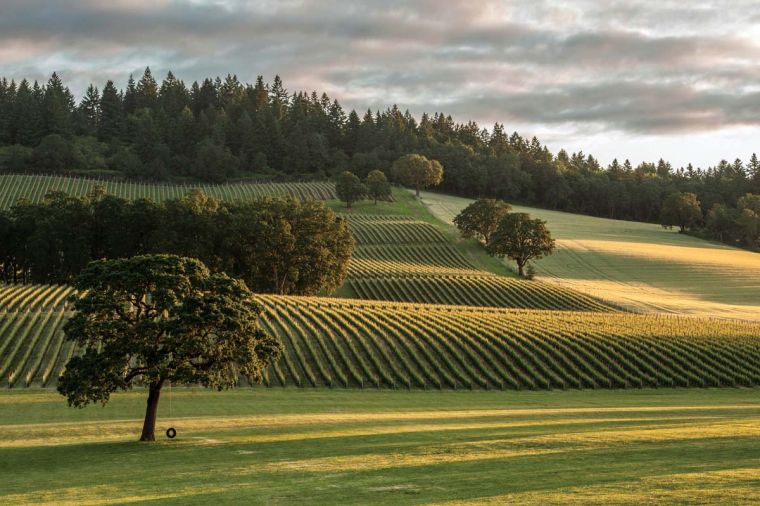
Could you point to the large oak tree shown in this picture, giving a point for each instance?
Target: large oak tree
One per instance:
(418, 172)
(522, 239)
(481, 219)
(154, 319)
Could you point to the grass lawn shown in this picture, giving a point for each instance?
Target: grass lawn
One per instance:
(640, 265)
(282, 446)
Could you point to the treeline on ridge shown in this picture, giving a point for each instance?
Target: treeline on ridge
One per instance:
(276, 245)
(219, 129)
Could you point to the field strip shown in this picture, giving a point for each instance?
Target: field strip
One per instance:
(735, 486)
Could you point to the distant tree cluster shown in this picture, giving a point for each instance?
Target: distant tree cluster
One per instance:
(739, 226)
(279, 246)
(218, 129)
(350, 189)
(506, 234)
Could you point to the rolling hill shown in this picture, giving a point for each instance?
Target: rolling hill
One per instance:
(640, 266)
(370, 344)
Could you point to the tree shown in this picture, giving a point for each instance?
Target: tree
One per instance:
(682, 210)
(418, 172)
(158, 318)
(349, 188)
(481, 219)
(522, 239)
(55, 154)
(286, 246)
(378, 187)
(214, 163)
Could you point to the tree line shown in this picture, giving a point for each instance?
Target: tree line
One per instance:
(218, 129)
(738, 225)
(274, 245)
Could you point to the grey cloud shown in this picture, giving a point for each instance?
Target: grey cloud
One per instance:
(642, 67)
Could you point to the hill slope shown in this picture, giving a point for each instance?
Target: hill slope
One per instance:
(370, 344)
(32, 187)
(639, 265)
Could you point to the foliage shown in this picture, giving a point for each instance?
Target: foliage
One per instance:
(153, 130)
(378, 187)
(153, 319)
(418, 172)
(522, 239)
(681, 210)
(276, 245)
(349, 188)
(286, 246)
(481, 218)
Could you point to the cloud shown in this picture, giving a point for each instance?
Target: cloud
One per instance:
(641, 68)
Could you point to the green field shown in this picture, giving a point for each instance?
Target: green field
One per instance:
(345, 447)
(640, 266)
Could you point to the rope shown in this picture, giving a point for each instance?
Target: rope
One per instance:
(170, 400)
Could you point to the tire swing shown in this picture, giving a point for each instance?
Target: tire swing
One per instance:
(171, 432)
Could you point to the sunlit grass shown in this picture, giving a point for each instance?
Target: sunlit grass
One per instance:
(639, 265)
(341, 447)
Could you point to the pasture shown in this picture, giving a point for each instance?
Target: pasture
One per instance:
(640, 266)
(287, 446)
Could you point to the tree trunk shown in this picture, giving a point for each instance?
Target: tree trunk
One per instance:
(149, 425)
(417, 191)
(520, 268)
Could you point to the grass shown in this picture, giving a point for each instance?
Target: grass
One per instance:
(639, 265)
(345, 447)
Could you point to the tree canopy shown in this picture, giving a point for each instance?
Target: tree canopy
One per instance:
(378, 187)
(275, 245)
(349, 188)
(481, 218)
(521, 239)
(681, 210)
(418, 172)
(161, 318)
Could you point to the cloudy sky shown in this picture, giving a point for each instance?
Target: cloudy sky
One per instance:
(637, 79)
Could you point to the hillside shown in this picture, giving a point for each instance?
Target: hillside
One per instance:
(33, 188)
(403, 252)
(639, 265)
(342, 343)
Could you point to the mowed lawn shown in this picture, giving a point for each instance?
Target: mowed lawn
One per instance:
(283, 446)
(640, 265)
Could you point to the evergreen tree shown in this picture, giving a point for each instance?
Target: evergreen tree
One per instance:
(146, 92)
(111, 113)
(58, 105)
(88, 112)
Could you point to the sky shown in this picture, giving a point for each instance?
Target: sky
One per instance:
(639, 79)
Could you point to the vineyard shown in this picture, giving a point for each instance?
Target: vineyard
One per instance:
(403, 259)
(374, 344)
(34, 188)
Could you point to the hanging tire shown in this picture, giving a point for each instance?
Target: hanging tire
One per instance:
(171, 432)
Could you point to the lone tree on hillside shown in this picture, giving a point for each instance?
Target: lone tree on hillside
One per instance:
(158, 318)
(378, 187)
(681, 210)
(522, 239)
(481, 218)
(349, 188)
(418, 172)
